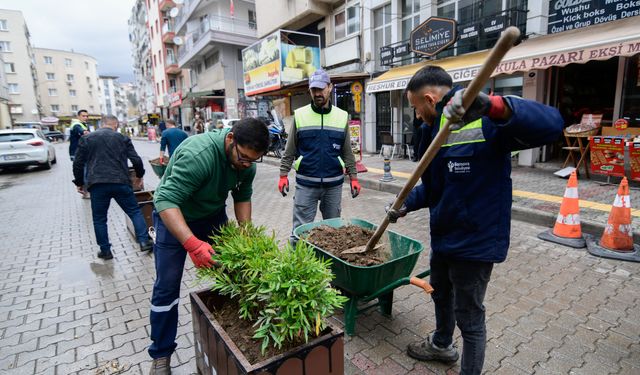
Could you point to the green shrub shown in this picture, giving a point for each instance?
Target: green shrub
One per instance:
(286, 292)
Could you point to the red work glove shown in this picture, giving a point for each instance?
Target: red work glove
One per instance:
(355, 187)
(200, 252)
(283, 185)
(161, 160)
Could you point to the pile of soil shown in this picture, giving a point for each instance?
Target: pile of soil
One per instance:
(336, 240)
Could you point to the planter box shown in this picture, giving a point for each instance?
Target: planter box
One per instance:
(145, 202)
(217, 354)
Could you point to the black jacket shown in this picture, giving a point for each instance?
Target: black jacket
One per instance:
(105, 153)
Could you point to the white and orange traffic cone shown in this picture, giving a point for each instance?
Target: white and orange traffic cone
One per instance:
(617, 239)
(567, 230)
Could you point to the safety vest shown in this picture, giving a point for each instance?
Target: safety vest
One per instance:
(320, 140)
(76, 122)
(469, 133)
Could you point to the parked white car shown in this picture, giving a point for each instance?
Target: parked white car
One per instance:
(23, 147)
(225, 123)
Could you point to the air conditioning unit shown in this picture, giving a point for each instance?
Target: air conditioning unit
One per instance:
(69, 83)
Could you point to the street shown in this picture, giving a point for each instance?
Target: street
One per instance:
(550, 309)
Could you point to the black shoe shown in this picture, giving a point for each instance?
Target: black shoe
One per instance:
(161, 366)
(147, 246)
(106, 255)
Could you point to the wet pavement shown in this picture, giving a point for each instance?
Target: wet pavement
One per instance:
(550, 309)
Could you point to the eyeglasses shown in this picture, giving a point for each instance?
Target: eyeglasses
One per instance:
(243, 159)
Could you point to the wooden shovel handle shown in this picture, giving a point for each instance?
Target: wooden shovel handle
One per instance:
(506, 41)
(421, 284)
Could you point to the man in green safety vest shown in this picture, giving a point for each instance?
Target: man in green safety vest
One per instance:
(319, 149)
(78, 129)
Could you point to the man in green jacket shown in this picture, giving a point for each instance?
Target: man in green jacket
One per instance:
(189, 207)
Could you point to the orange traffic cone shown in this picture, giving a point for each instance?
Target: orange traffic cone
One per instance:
(618, 235)
(567, 230)
(617, 238)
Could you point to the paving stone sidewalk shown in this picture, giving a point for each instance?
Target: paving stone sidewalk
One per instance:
(550, 309)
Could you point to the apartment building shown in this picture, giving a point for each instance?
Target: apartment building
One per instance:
(142, 59)
(19, 66)
(211, 35)
(112, 101)
(68, 82)
(5, 116)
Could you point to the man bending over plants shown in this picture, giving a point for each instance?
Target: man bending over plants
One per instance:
(189, 207)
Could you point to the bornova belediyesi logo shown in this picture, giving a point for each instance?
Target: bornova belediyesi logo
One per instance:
(455, 167)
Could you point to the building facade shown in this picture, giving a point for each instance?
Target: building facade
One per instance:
(112, 99)
(142, 59)
(68, 82)
(211, 36)
(5, 116)
(19, 66)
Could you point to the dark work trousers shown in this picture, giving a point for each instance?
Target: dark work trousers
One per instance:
(169, 260)
(459, 289)
(101, 195)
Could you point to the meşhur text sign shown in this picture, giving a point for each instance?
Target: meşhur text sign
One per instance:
(433, 35)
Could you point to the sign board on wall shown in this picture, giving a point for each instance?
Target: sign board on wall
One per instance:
(573, 14)
(433, 35)
(607, 156)
(299, 56)
(634, 156)
(261, 65)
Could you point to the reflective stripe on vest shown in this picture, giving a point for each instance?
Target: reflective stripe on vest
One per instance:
(318, 179)
(470, 133)
(84, 128)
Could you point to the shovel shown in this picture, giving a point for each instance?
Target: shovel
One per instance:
(506, 41)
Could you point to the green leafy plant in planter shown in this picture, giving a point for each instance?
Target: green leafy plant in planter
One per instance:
(286, 292)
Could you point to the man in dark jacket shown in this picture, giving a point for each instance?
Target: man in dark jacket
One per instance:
(77, 130)
(467, 189)
(105, 153)
(171, 138)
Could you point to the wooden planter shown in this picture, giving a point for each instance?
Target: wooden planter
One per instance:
(217, 354)
(145, 202)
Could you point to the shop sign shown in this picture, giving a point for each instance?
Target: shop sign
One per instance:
(299, 56)
(175, 99)
(607, 156)
(261, 65)
(469, 31)
(573, 14)
(494, 25)
(397, 84)
(433, 35)
(356, 90)
(634, 156)
(386, 55)
(621, 124)
(402, 50)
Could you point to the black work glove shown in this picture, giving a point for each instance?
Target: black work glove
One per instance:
(394, 215)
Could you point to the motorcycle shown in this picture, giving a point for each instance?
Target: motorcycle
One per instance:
(277, 139)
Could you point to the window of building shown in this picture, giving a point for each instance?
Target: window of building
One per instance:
(9, 68)
(48, 60)
(163, 87)
(171, 57)
(211, 60)
(160, 57)
(70, 77)
(88, 79)
(5, 46)
(91, 108)
(55, 108)
(252, 19)
(155, 61)
(15, 109)
(53, 92)
(410, 17)
(86, 65)
(3, 25)
(90, 93)
(51, 76)
(347, 21)
(172, 86)
(74, 108)
(381, 30)
(157, 88)
(72, 92)
(630, 109)
(67, 63)
(13, 88)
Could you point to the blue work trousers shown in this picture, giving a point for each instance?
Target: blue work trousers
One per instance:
(459, 289)
(169, 261)
(101, 195)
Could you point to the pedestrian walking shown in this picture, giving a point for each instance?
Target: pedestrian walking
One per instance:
(467, 189)
(104, 153)
(171, 138)
(319, 149)
(190, 206)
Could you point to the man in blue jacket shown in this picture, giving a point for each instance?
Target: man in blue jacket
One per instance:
(77, 130)
(467, 189)
(171, 137)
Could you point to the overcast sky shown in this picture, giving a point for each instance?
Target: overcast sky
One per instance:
(97, 28)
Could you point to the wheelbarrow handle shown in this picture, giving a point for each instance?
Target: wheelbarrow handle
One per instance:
(506, 41)
(421, 284)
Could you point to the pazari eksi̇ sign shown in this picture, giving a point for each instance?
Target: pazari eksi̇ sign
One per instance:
(433, 35)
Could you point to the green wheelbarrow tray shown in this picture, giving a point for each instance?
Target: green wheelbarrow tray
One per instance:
(364, 284)
(158, 168)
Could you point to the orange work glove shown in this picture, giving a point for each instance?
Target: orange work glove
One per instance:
(355, 187)
(199, 251)
(283, 185)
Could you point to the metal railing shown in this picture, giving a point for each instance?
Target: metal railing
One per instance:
(219, 24)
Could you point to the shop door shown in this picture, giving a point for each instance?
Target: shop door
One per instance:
(383, 116)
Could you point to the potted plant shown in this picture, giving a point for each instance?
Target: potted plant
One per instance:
(265, 310)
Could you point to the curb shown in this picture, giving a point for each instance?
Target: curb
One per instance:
(520, 213)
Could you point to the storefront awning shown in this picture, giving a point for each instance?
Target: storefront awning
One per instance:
(457, 67)
(303, 86)
(599, 42)
(209, 94)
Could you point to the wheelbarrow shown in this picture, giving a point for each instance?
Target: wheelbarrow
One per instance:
(158, 168)
(365, 284)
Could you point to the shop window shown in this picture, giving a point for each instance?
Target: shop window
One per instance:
(347, 21)
(508, 86)
(381, 30)
(211, 60)
(631, 92)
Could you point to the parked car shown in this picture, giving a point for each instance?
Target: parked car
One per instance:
(53, 135)
(23, 147)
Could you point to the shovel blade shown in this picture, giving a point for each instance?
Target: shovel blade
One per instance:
(360, 249)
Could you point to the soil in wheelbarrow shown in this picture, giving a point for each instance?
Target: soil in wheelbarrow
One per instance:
(336, 240)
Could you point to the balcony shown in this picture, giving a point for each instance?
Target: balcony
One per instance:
(168, 33)
(186, 11)
(166, 5)
(171, 65)
(218, 30)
